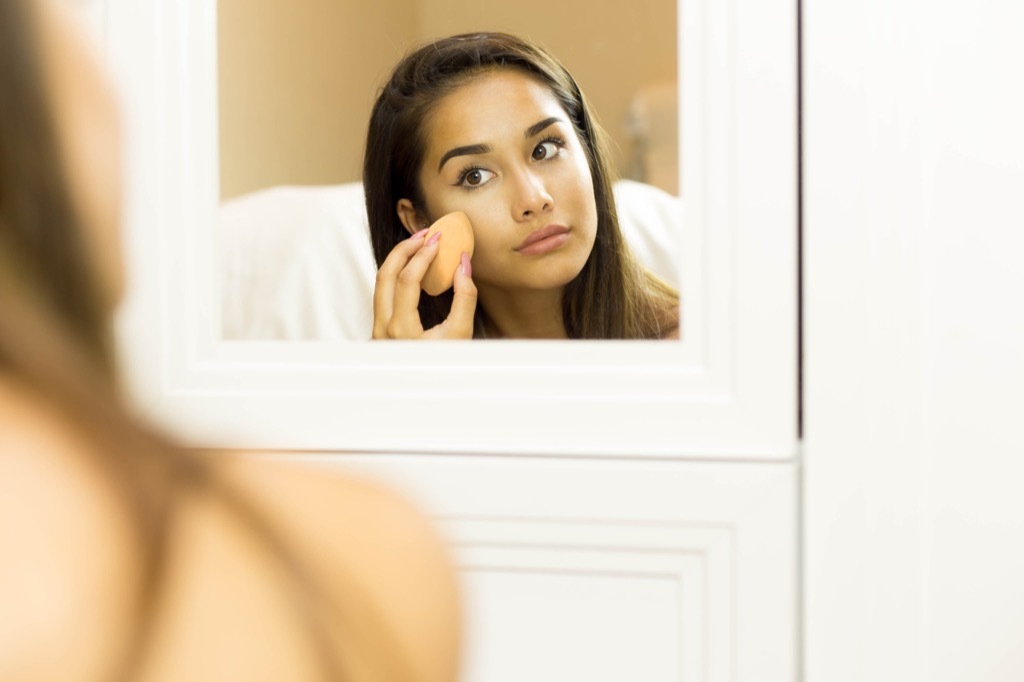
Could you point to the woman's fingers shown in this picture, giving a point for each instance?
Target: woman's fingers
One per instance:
(387, 280)
(410, 281)
(397, 292)
(459, 324)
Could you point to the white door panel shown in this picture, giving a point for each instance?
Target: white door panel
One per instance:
(614, 571)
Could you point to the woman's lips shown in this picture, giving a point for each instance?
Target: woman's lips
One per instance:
(543, 240)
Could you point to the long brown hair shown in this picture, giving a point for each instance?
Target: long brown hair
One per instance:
(51, 260)
(55, 339)
(613, 296)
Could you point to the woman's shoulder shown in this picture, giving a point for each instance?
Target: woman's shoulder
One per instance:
(329, 558)
(373, 550)
(71, 570)
(339, 512)
(66, 581)
(668, 322)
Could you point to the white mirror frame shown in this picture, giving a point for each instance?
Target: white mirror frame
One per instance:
(727, 390)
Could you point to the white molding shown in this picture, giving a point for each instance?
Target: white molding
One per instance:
(697, 562)
(727, 390)
(726, 534)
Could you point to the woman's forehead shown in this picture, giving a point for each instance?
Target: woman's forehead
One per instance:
(496, 105)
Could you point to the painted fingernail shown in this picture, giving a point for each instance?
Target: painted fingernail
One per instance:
(467, 267)
(420, 234)
(434, 238)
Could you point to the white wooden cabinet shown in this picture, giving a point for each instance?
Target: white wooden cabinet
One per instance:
(645, 526)
(616, 570)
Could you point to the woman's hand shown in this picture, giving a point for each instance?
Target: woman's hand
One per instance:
(396, 295)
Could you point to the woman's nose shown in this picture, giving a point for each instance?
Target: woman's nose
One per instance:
(531, 196)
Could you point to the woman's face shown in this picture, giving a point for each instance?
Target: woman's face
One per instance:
(501, 149)
(88, 135)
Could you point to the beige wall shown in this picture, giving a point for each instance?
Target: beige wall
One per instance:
(610, 48)
(297, 79)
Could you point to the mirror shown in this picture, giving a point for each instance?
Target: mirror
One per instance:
(725, 391)
(296, 84)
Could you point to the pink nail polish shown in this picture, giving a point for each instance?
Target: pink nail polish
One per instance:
(434, 238)
(420, 234)
(467, 267)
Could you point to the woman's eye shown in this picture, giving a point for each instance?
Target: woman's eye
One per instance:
(475, 177)
(545, 150)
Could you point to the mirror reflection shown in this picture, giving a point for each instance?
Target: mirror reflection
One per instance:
(492, 127)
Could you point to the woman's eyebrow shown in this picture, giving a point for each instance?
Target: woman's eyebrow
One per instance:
(468, 150)
(471, 149)
(538, 127)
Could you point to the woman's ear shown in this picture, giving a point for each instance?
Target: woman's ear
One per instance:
(410, 217)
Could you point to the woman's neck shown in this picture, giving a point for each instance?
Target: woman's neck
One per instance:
(523, 314)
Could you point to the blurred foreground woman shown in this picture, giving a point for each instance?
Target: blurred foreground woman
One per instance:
(122, 556)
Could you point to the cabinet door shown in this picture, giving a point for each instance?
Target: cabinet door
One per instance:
(607, 571)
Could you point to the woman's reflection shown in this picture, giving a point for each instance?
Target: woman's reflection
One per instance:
(495, 127)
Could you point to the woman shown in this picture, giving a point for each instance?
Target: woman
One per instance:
(123, 556)
(493, 126)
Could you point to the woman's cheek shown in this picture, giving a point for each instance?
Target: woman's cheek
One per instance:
(484, 261)
(484, 210)
(487, 229)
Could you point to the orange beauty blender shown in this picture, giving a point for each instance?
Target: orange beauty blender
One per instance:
(457, 237)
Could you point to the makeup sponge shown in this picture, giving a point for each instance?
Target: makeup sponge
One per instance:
(456, 238)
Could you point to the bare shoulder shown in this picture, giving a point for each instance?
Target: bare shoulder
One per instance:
(673, 323)
(71, 564)
(68, 562)
(670, 328)
(374, 548)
